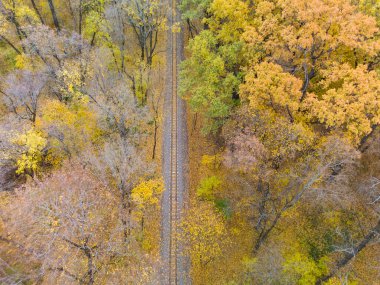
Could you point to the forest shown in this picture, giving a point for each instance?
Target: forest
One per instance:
(276, 182)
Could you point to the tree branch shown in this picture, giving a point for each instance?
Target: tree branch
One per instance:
(10, 44)
(349, 256)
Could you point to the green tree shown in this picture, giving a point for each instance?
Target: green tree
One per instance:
(207, 83)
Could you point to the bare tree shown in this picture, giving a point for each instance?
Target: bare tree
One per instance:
(145, 17)
(23, 92)
(10, 16)
(351, 252)
(9, 128)
(58, 52)
(363, 196)
(244, 150)
(62, 223)
(115, 16)
(156, 101)
(112, 97)
(318, 169)
(120, 163)
(120, 166)
(156, 105)
(54, 48)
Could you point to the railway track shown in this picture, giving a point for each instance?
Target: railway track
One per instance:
(173, 246)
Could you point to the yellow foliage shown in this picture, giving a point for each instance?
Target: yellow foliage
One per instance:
(34, 143)
(347, 27)
(96, 24)
(26, 14)
(72, 81)
(310, 44)
(371, 7)
(229, 19)
(176, 28)
(268, 86)
(351, 101)
(147, 244)
(211, 161)
(20, 61)
(208, 186)
(304, 270)
(57, 112)
(205, 231)
(309, 33)
(333, 281)
(141, 83)
(148, 193)
(333, 218)
(74, 127)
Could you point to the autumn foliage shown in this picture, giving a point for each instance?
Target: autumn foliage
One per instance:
(295, 137)
(283, 119)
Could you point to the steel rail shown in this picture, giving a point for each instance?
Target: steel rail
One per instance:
(173, 247)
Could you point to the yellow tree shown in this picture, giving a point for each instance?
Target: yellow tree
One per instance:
(71, 128)
(274, 112)
(147, 196)
(148, 193)
(229, 19)
(302, 35)
(34, 143)
(351, 102)
(268, 86)
(309, 40)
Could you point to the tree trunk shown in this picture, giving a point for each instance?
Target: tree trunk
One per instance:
(190, 28)
(155, 139)
(349, 256)
(363, 143)
(93, 39)
(80, 16)
(10, 44)
(308, 76)
(37, 12)
(126, 214)
(195, 119)
(90, 266)
(10, 16)
(54, 15)
(265, 233)
(142, 47)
